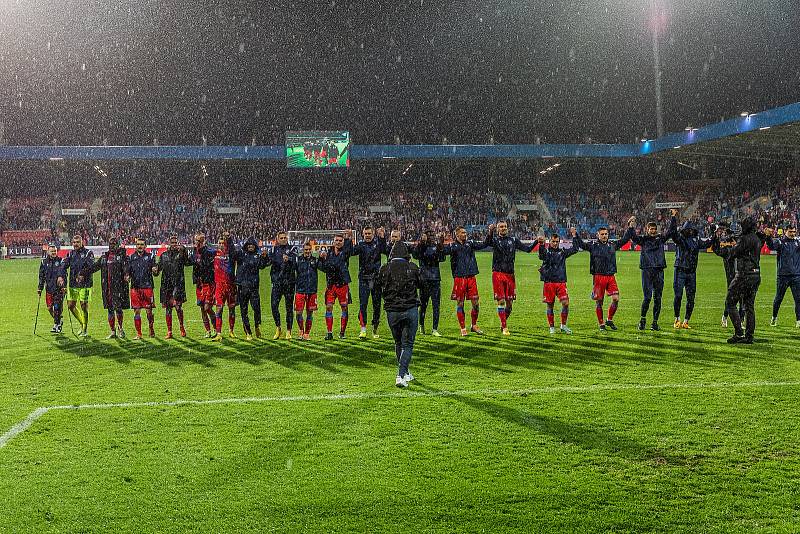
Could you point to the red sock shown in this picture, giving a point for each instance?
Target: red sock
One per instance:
(329, 321)
(612, 310)
(231, 320)
(564, 314)
(460, 315)
(206, 318)
(299, 317)
(308, 324)
(150, 320)
(551, 320)
(218, 323)
(474, 316)
(169, 321)
(361, 320)
(343, 321)
(501, 312)
(137, 322)
(111, 321)
(599, 311)
(180, 317)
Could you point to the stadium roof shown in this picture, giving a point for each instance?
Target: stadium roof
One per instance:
(772, 134)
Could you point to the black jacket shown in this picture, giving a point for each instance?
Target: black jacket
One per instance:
(747, 254)
(399, 281)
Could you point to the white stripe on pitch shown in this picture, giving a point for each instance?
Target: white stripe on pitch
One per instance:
(36, 414)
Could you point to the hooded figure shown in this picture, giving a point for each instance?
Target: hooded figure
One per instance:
(114, 276)
(746, 255)
(249, 261)
(400, 280)
(687, 248)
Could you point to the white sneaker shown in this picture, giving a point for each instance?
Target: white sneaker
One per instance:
(112, 335)
(121, 333)
(399, 382)
(83, 333)
(435, 333)
(565, 329)
(773, 321)
(724, 322)
(552, 329)
(408, 377)
(796, 325)
(54, 329)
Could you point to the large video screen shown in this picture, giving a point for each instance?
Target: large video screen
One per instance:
(317, 149)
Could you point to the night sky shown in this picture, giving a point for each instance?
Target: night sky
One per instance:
(126, 72)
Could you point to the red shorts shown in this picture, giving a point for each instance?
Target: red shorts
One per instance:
(142, 298)
(604, 285)
(225, 294)
(53, 298)
(504, 286)
(205, 293)
(340, 293)
(304, 301)
(464, 289)
(553, 291)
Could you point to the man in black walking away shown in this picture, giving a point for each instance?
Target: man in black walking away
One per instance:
(747, 257)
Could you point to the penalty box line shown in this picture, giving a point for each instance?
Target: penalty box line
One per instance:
(36, 414)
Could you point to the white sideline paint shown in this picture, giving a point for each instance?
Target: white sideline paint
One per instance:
(26, 423)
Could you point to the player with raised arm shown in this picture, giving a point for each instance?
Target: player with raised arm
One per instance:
(652, 262)
(224, 286)
(722, 247)
(307, 280)
(687, 247)
(336, 265)
(172, 295)
(79, 292)
(788, 249)
(428, 252)
(369, 252)
(142, 266)
(281, 275)
(249, 263)
(553, 273)
(114, 278)
(464, 267)
(603, 268)
(203, 278)
(504, 284)
(51, 279)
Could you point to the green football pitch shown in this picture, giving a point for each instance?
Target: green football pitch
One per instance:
(671, 431)
(295, 158)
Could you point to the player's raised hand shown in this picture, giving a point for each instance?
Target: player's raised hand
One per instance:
(540, 239)
(349, 233)
(491, 228)
(285, 257)
(60, 281)
(632, 221)
(154, 269)
(673, 212)
(573, 232)
(381, 231)
(769, 232)
(38, 291)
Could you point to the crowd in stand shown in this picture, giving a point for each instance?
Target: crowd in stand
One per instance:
(148, 212)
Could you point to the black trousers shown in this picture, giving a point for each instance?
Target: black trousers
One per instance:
(248, 296)
(430, 290)
(653, 288)
(367, 288)
(784, 283)
(744, 288)
(277, 293)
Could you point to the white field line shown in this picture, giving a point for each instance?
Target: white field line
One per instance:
(39, 412)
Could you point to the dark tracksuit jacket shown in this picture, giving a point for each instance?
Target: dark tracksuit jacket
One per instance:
(171, 265)
(78, 261)
(337, 266)
(602, 256)
(462, 257)
(504, 251)
(306, 276)
(50, 271)
(203, 266)
(369, 264)
(141, 270)
(113, 266)
(788, 272)
(554, 263)
(399, 280)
